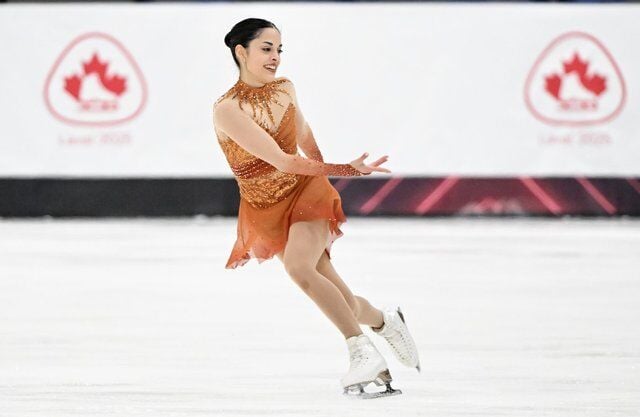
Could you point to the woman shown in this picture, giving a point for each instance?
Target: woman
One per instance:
(288, 207)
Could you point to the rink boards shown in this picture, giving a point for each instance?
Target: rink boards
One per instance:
(483, 108)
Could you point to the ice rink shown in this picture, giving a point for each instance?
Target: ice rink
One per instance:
(138, 317)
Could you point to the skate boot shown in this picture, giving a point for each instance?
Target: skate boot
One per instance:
(396, 333)
(366, 365)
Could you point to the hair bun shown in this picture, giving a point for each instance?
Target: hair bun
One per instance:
(227, 40)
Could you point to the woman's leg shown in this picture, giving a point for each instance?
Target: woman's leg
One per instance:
(363, 310)
(304, 247)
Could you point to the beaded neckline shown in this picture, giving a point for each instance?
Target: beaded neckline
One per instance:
(258, 97)
(267, 85)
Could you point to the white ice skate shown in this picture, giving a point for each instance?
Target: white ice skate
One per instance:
(366, 365)
(396, 333)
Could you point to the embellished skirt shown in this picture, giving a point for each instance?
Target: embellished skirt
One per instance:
(263, 232)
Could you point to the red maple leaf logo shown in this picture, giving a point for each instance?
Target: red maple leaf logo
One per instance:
(594, 83)
(552, 85)
(72, 86)
(95, 66)
(114, 83)
(576, 65)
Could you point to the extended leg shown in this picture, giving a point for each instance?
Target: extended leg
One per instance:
(305, 245)
(301, 257)
(365, 313)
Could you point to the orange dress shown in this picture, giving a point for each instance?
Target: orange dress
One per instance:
(272, 200)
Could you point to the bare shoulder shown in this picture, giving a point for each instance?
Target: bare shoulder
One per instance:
(287, 85)
(222, 99)
(223, 109)
(284, 80)
(223, 103)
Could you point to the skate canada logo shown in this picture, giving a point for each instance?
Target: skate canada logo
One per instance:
(95, 82)
(575, 82)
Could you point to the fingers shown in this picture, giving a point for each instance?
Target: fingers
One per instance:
(372, 168)
(380, 161)
(375, 166)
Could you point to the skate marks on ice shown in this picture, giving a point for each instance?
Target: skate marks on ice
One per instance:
(524, 318)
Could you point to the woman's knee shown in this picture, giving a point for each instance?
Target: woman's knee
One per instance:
(299, 272)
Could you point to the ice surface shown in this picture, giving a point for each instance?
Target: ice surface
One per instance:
(138, 317)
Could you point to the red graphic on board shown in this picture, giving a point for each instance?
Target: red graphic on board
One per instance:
(594, 83)
(96, 82)
(113, 83)
(575, 81)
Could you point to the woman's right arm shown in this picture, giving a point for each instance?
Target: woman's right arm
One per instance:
(243, 130)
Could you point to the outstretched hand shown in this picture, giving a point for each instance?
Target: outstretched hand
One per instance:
(368, 169)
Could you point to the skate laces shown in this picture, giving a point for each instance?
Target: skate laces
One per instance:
(396, 337)
(356, 357)
(359, 353)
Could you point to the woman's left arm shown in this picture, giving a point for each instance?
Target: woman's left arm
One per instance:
(308, 144)
(304, 135)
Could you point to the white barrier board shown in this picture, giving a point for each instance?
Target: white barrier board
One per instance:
(125, 90)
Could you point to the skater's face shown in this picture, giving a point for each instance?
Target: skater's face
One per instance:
(262, 56)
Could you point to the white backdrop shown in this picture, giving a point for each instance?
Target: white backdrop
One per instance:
(444, 89)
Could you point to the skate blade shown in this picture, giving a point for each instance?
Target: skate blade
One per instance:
(383, 378)
(388, 393)
(401, 315)
(363, 395)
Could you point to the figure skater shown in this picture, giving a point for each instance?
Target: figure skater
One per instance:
(288, 207)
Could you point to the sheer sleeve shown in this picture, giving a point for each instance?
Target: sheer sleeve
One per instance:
(308, 144)
(304, 135)
(299, 165)
(242, 129)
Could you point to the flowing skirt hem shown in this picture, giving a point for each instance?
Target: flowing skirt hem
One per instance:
(244, 254)
(262, 233)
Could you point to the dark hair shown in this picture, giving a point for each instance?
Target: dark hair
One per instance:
(244, 32)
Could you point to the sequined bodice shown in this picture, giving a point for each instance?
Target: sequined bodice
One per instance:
(260, 183)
